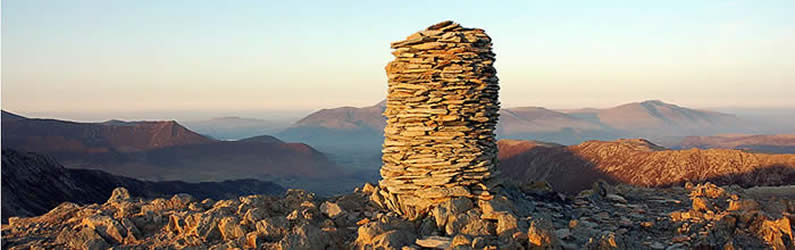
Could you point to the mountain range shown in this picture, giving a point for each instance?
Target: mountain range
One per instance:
(34, 184)
(654, 120)
(655, 117)
(162, 150)
(345, 142)
(352, 136)
(783, 144)
(56, 136)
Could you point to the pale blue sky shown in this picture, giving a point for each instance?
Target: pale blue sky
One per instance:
(132, 56)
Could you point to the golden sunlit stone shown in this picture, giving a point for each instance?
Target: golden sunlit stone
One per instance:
(441, 111)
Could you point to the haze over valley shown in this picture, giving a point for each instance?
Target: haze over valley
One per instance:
(345, 142)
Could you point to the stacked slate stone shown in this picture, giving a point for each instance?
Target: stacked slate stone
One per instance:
(441, 110)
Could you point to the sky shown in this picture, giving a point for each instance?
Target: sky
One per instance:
(124, 57)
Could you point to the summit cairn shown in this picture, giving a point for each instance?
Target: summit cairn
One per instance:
(441, 111)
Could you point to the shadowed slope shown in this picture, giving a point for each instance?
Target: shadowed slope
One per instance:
(33, 184)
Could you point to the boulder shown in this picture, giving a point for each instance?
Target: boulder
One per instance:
(743, 205)
(107, 227)
(368, 188)
(474, 226)
(776, 233)
(507, 224)
(330, 209)
(230, 228)
(252, 216)
(708, 190)
(254, 240)
(367, 233)
(304, 236)
(393, 240)
(701, 204)
(541, 235)
(272, 228)
(460, 240)
(203, 225)
(435, 242)
(119, 194)
(492, 209)
(83, 238)
(180, 201)
(448, 210)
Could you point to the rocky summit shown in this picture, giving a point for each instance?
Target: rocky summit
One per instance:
(703, 216)
(441, 112)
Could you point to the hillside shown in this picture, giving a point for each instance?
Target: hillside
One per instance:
(163, 151)
(350, 136)
(780, 144)
(33, 184)
(344, 125)
(222, 160)
(640, 163)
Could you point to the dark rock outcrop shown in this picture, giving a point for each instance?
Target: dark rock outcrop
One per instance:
(33, 184)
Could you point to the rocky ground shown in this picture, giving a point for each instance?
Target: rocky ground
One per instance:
(703, 216)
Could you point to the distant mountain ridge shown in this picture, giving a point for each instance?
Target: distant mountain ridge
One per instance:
(33, 184)
(163, 150)
(652, 119)
(639, 162)
(50, 135)
(782, 143)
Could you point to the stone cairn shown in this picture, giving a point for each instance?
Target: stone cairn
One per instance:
(441, 110)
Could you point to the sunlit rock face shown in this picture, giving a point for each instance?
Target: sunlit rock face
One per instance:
(441, 109)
